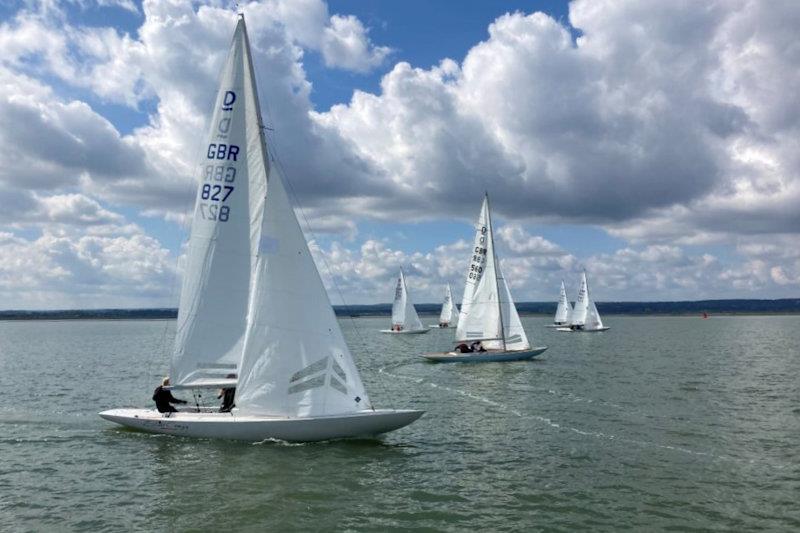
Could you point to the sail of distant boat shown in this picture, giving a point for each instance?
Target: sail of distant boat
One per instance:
(404, 315)
(449, 313)
(488, 314)
(585, 316)
(564, 310)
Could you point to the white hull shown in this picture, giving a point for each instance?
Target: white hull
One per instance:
(570, 330)
(556, 326)
(258, 428)
(407, 331)
(484, 357)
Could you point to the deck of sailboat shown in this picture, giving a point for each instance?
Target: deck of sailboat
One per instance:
(250, 427)
(488, 356)
(567, 329)
(407, 331)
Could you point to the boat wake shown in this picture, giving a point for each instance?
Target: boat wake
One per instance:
(551, 423)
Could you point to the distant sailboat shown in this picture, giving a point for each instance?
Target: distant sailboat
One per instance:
(564, 310)
(449, 315)
(584, 316)
(488, 314)
(404, 317)
(254, 313)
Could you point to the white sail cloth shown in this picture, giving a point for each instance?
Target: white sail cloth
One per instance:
(488, 312)
(224, 236)
(581, 304)
(403, 312)
(295, 361)
(585, 313)
(564, 310)
(448, 314)
(593, 320)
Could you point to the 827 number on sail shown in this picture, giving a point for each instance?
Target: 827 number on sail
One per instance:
(217, 193)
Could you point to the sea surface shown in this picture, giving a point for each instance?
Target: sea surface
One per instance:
(658, 424)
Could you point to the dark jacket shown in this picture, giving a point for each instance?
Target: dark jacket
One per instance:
(163, 399)
(228, 396)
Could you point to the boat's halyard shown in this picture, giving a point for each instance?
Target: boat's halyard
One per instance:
(488, 315)
(253, 305)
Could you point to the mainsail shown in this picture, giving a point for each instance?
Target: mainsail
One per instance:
(581, 304)
(448, 315)
(564, 310)
(403, 312)
(225, 231)
(488, 312)
(295, 361)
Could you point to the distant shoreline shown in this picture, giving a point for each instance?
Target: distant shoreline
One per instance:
(788, 306)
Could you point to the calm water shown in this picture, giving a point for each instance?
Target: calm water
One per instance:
(660, 423)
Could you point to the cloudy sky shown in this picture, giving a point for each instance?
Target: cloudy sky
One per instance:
(656, 144)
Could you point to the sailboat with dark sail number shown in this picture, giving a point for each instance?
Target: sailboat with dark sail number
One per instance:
(254, 313)
(488, 321)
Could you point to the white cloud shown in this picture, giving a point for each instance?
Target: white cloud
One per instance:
(345, 45)
(110, 264)
(671, 125)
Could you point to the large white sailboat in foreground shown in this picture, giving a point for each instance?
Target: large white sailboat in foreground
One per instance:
(563, 311)
(585, 316)
(254, 313)
(405, 320)
(449, 314)
(488, 315)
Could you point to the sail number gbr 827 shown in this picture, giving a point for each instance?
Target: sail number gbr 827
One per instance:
(218, 179)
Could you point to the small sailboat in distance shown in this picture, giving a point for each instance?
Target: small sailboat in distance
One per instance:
(488, 319)
(584, 316)
(405, 320)
(254, 313)
(449, 314)
(563, 311)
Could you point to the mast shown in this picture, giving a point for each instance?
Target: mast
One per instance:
(494, 259)
(261, 135)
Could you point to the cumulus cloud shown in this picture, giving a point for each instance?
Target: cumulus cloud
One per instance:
(345, 45)
(111, 264)
(667, 111)
(671, 125)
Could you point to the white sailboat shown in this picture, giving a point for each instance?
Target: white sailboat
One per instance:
(585, 316)
(405, 320)
(449, 314)
(254, 313)
(488, 314)
(563, 311)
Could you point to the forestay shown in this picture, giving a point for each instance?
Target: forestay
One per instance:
(488, 312)
(225, 231)
(295, 361)
(403, 312)
(564, 310)
(448, 314)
